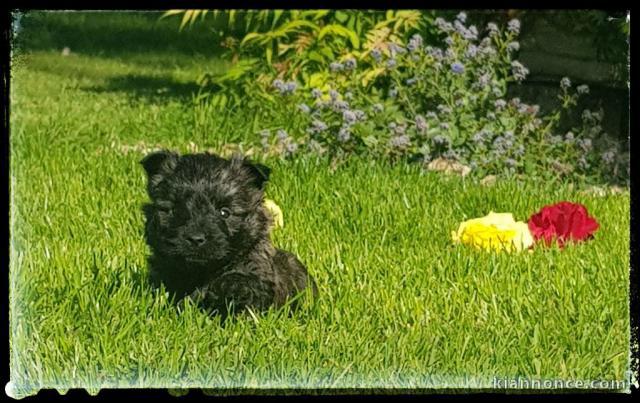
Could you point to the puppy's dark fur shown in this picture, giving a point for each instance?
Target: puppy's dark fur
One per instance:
(208, 232)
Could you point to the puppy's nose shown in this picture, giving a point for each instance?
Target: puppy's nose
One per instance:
(196, 239)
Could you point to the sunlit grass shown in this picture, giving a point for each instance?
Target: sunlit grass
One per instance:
(399, 304)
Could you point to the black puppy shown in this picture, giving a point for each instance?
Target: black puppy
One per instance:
(208, 231)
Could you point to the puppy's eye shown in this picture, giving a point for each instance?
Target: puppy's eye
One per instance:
(225, 212)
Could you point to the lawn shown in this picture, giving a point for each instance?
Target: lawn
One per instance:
(400, 306)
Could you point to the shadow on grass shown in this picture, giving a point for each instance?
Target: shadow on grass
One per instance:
(150, 88)
(115, 33)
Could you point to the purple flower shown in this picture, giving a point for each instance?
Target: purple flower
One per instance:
(360, 115)
(523, 108)
(350, 64)
(394, 48)
(582, 89)
(569, 137)
(473, 31)
(304, 108)
(448, 40)
(459, 27)
(449, 53)
(584, 144)
(415, 43)
(278, 84)
(376, 54)
(441, 140)
(451, 155)
(583, 163)
(436, 53)
(391, 63)
(472, 51)
(492, 28)
(443, 109)
(291, 147)
(457, 68)
(398, 129)
(282, 135)
(565, 83)
(479, 137)
(514, 26)
(349, 116)
(519, 71)
(483, 80)
(443, 25)
(487, 50)
(336, 66)
(341, 105)
(316, 93)
(318, 126)
(344, 134)
(334, 94)
(421, 123)
(289, 87)
(609, 157)
(555, 139)
(401, 141)
(500, 104)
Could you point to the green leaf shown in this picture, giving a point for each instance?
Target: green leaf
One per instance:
(315, 56)
(251, 36)
(269, 53)
(327, 52)
(341, 16)
(171, 12)
(339, 30)
(276, 16)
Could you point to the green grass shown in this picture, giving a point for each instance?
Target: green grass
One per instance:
(399, 306)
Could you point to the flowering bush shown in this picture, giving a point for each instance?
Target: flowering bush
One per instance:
(412, 100)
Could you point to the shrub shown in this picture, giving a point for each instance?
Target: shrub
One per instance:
(404, 98)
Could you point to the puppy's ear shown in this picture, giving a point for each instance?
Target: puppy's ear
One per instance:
(259, 173)
(158, 165)
(159, 162)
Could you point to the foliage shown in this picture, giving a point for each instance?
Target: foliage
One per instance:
(444, 100)
(296, 43)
